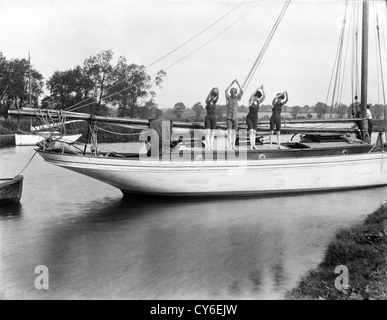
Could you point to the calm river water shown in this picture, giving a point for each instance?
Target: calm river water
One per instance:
(97, 245)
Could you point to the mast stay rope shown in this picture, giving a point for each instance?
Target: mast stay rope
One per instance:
(265, 46)
(72, 107)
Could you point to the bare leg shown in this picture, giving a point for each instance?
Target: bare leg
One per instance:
(229, 139)
(251, 131)
(254, 138)
(278, 140)
(271, 135)
(212, 138)
(234, 134)
(208, 145)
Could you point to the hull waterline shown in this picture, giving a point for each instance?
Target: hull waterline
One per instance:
(230, 177)
(11, 190)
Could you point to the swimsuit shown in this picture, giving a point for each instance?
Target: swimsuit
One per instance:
(232, 113)
(252, 117)
(210, 119)
(275, 119)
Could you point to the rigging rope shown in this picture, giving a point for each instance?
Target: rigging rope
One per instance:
(265, 46)
(119, 133)
(27, 163)
(337, 64)
(127, 88)
(355, 59)
(377, 60)
(52, 124)
(357, 72)
(194, 37)
(169, 53)
(380, 59)
(93, 138)
(343, 73)
(213, 38)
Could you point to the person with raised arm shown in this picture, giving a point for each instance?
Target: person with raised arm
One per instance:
(275, 119)
(252, 117)
(232, 98)
(210, 119)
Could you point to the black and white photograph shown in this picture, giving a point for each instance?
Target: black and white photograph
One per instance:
(176, 151)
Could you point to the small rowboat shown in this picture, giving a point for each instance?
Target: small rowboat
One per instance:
(11, 189)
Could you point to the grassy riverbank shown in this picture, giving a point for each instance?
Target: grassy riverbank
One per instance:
(363, 250)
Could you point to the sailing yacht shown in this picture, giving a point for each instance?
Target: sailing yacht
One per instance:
(332, 154)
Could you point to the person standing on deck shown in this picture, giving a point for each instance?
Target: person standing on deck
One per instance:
(232, 98)
(369, 120)
(275, 119)
(356, 108)
(210, 119)
(252, 117)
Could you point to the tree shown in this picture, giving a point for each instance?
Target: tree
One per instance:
(100, 71)
(15, 86)
(305, 109)
(284, 108)
(350, 111)
(267, 108)
(131, 87)
(309, 116)
(91, 87)
(3, 86)
(320, 109)
(342, 110)
(3, 76)
(149, 111)
(70, 87)
(243, 108)
(198, 109)
(220, 111)
(295, 111)
(378, 111)
(178, 110)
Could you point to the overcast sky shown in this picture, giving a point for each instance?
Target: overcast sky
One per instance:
(61, 34)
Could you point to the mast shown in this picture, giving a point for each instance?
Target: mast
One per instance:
(364, 70)
(29, 77)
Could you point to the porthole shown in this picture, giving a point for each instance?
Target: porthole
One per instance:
(262, 156)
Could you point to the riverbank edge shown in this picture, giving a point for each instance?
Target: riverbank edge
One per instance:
(363, 250)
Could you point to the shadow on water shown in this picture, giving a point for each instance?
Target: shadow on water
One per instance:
(11, 210)
(161, 249)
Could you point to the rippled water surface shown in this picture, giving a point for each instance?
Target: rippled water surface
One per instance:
(98, 245)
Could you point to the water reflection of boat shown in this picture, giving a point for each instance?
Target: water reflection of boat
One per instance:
(11, 189)
(186, 249)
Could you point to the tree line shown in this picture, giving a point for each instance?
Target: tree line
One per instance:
(320, 109)
(123, 89)
(97, 87)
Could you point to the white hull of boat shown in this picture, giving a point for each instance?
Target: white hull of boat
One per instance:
(33, 139)
(231, 177)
